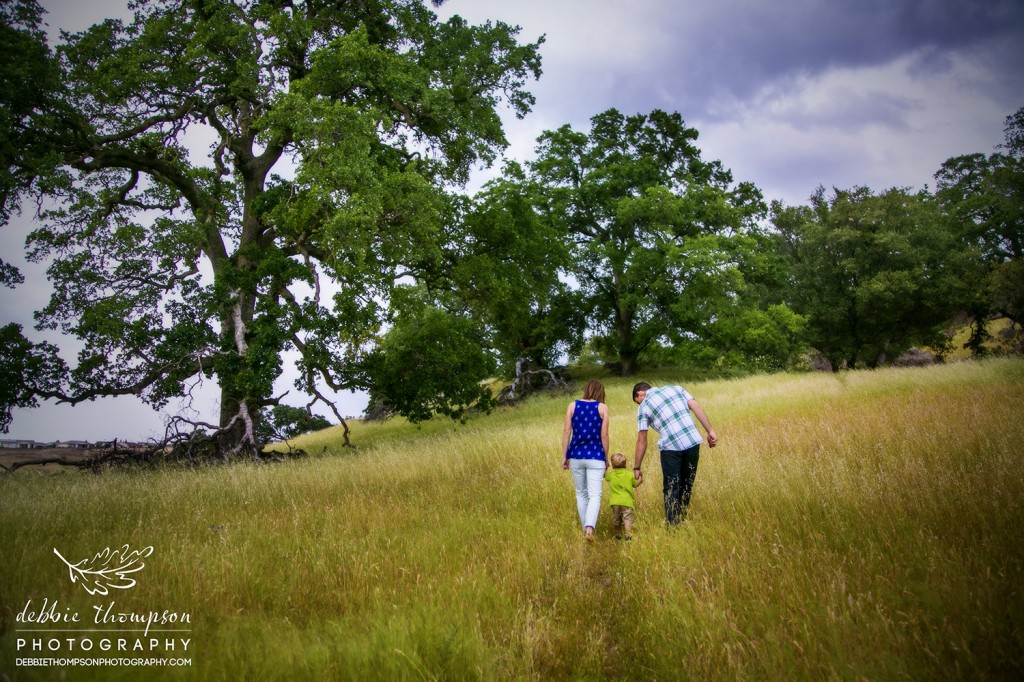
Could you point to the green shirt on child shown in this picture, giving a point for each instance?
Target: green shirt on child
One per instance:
(622, 483)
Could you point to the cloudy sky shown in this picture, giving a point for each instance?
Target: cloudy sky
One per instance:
(789, 95)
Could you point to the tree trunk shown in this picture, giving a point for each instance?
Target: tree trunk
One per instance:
(627, 364)
(882, 356)
(624, 328)
(239, 412)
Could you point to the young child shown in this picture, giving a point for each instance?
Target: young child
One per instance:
(622, 497)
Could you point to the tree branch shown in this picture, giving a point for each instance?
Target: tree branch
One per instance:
(165, 284)
(103, 392)
(186, 107)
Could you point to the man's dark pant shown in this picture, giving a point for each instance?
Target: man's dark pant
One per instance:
(678, 468)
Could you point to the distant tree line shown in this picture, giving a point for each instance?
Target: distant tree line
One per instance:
(324, 219)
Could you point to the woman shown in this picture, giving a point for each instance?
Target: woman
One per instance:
(585, 451)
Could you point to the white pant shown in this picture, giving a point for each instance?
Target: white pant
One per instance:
(588, 477)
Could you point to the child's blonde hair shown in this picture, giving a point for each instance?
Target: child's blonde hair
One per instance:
(618, 460)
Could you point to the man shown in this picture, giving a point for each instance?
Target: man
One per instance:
(667, 411)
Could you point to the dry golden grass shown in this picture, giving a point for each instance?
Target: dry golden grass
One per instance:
(854, 526)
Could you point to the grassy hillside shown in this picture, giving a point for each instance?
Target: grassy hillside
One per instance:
(859, 526)
(1000, 340)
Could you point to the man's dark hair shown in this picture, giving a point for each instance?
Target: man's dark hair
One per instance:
(642, 386)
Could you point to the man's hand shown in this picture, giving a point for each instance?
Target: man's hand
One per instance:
(638, 454)
(698, 412)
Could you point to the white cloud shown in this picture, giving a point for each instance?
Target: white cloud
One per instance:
(878, 126)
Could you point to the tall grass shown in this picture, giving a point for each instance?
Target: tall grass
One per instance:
(864, 525)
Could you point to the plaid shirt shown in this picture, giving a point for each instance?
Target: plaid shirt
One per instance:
(665, 410)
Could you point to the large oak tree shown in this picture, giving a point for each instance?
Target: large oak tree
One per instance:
(648, 220)
(216, 164)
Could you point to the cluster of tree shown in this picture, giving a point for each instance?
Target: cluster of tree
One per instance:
(324, 218)
(875, 274)
(670, 260)
(623, 243)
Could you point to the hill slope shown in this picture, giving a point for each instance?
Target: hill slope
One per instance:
(864, 524)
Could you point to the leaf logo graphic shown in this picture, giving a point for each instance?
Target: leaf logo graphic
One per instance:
(108, 569)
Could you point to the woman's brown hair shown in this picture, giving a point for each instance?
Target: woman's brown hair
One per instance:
(594, 390)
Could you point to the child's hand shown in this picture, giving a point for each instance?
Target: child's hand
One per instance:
(565, 463)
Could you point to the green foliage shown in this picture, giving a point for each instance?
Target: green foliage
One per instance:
(27, 370)
(983, 197)
(169, 264)
(431, 362)
(874, 274)
(29, 80)
(646, 218)
(503, 267)
(289, 422)
(768, 340)
(1006, 289)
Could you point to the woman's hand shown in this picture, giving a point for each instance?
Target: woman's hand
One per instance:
(565, 463)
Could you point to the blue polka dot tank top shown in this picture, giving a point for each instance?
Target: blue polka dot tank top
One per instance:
(586, 431)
